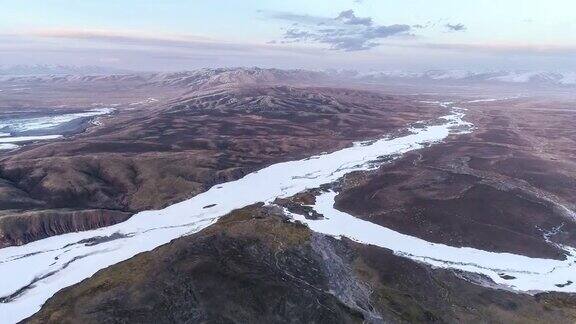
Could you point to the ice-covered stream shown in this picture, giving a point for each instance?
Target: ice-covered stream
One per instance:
(32, 273)
(517, 272)
(21, 128)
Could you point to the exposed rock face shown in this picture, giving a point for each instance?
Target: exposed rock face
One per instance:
(256, 266)
(19, 227)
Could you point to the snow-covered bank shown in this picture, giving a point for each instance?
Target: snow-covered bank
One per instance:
(515, 271)
(8, 146)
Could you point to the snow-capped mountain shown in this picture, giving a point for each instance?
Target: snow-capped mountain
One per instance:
(532, 77)
(194, 79)
(218, 76)
(208, 77)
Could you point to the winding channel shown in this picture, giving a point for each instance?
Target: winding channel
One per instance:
(34, 272)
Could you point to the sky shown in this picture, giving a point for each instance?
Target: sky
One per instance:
(173, 35)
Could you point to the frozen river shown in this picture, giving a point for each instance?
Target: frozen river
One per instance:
(19, 128)
(32, 273)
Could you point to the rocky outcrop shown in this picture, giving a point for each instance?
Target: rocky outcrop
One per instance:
(17, 227)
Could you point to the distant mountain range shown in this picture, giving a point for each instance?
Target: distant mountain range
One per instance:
(196, 79)
(49, 69)
(528, 77)
(214, 76)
